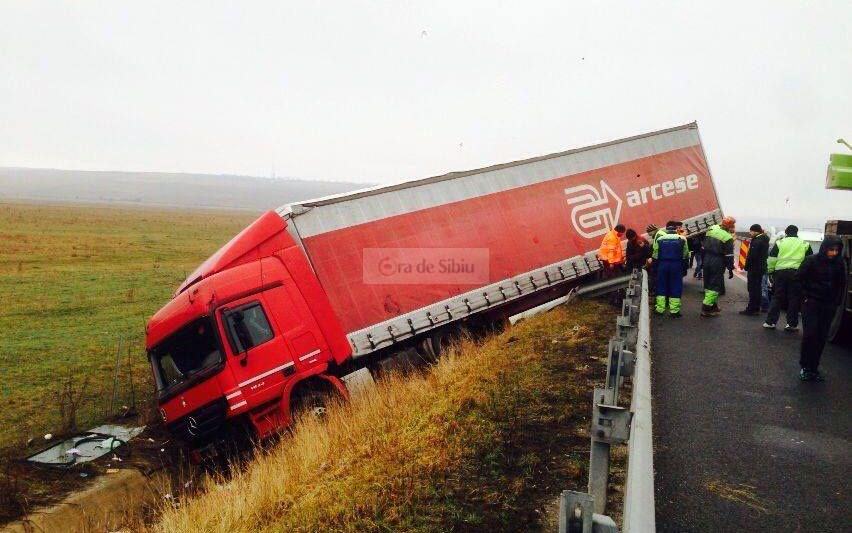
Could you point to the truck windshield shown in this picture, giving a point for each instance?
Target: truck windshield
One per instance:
(186, 353)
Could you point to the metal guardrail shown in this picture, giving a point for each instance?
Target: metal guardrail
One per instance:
(628, 356)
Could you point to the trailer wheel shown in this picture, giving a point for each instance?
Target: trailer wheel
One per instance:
(435, 344)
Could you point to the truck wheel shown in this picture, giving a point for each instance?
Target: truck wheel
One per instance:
(313, 400)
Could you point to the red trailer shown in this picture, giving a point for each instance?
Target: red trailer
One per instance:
(315, 289)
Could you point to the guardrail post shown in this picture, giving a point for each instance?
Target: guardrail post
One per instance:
(627, 355)
(576, 515)
(610, 425)
(575, 512)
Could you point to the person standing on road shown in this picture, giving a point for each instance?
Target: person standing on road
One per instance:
(782, 264)
(821, 276)
(671, 254)
(755, 266)
(638, 250)
(696, 255)
(718, 255)
(765, 287)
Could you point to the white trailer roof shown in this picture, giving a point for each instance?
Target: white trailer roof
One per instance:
(313, 217)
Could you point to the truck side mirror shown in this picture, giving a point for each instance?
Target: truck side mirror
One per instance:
(242, 334)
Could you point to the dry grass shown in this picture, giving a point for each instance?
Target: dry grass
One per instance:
(738, 493)
(484, 440)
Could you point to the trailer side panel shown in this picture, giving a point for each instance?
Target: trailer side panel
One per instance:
(527, 216)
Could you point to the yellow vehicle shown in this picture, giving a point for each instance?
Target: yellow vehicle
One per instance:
(839, 177)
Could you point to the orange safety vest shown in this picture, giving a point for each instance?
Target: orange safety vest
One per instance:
(611, 250)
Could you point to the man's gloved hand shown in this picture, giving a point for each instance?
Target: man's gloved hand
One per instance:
(730, 274)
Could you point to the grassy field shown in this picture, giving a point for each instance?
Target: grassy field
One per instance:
(483, 441)
(74, 282)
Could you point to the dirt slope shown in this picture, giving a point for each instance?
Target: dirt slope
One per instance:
(483, 441)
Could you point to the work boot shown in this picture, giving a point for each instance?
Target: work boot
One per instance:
(707, 311)
(767, 325)
(676, 315)
(810, 375)
(715, 309)
(749, 312)
(791, 329)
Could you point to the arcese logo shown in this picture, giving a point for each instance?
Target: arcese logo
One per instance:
(595, 211)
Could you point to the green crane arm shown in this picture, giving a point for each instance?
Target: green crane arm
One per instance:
(839, 175)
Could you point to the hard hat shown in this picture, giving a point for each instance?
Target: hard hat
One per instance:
(729, 223)
(651, 229)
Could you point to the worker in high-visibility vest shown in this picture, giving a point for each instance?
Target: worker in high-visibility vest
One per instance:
(671, 255)
(783, 262)
(611, 253)
(718, 256)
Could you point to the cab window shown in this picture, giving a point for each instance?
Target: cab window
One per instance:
(188, 352)
(247, 327)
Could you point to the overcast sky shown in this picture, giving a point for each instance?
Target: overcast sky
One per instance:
(383, 91)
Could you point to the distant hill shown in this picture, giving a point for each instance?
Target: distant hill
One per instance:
(161, 188)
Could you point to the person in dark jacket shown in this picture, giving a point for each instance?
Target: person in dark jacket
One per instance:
(755, 266)
(638, 250)
(696, 249)
(821, 276)
(718, 256)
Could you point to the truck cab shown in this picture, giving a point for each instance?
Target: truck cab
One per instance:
(241, 335)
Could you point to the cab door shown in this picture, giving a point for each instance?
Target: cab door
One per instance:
(298, 327)
(260, 358)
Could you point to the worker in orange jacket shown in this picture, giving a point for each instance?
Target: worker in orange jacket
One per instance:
(611, 253)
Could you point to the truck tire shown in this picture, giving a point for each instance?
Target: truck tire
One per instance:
(313, 399)
(435, 344)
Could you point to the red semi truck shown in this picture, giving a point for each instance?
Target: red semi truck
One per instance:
(314, 290)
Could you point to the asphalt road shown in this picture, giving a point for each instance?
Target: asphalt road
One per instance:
(740, 443)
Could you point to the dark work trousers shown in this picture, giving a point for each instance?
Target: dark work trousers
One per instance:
(754, 279)
(670, 278)
(816, 319)
(788, 294)
(699, 264)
